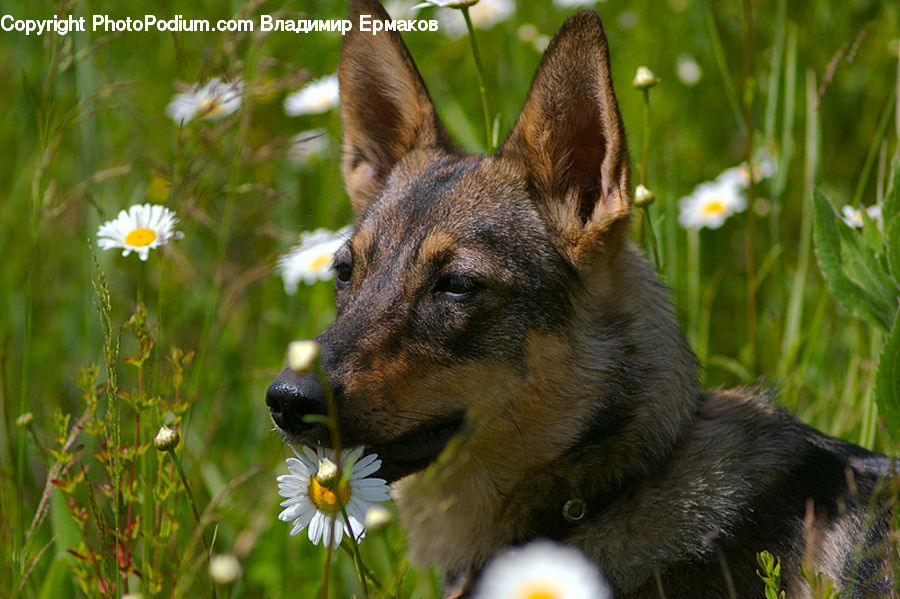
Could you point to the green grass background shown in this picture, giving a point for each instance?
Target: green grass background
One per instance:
(83, 134)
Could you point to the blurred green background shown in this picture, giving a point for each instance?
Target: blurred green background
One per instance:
(83, 133)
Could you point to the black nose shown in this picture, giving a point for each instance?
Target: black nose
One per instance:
(291, 396)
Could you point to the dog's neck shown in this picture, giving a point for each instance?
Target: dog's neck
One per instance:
(632, 388)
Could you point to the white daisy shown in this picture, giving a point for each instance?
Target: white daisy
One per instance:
(315, 97)
(542, 569)
(710, 205)
(397, 8)
(307, 146)
(484, 15)
(140, 229)
(740, 175)
(311, 260)
(311, 498)
(213, 100)
(853, 216)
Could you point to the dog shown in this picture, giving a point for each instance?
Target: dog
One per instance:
(514, 361)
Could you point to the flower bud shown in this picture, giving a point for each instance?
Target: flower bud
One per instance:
(224, 569)
(644, 78)
(302, 355)
(166, 439)
(376, 517)
(643, 196)
(327, 474)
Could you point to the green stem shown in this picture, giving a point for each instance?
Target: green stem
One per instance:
(644, 159)
(751, 188)
(644, 152)
(224, 234)
(479, 74)
(883, 121)
(326, 573)
(142, 275)
(790, 339)
(34, 224)
(693, 283)
(870, 419)
(190, 496)
(722, 64)
(337, 447)
(193, 504)
(357, 557)
(23, 396)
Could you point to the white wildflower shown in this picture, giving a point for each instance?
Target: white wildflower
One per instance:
(542, 569)
(315, 498)
(311, 260)
(315, 97)
(214, 99)
(710, 205)
(141, 228)
(484, 15)
(854, 218)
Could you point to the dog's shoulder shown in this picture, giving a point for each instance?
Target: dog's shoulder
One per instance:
(747, 477)
(748, 422)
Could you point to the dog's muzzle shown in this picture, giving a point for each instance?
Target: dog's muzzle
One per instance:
(293, 395)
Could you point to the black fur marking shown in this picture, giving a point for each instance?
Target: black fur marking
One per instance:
(774, 521)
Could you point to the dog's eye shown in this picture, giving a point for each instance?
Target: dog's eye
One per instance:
(455, 286)
(343, 271)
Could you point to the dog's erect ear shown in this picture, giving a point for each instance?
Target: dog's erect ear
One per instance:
(571, 139)
(384, 104)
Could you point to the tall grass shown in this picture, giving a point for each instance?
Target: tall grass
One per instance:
(101, 356)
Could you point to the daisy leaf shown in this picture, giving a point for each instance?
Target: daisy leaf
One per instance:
(857, 279)
(887, 382)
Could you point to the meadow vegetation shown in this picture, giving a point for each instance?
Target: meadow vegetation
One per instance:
(98, 351)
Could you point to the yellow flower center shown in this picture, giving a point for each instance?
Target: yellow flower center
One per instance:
(538, 593)
(323, 261)
(210, 107)
(326, 499)
(141, 237)
(714, 207)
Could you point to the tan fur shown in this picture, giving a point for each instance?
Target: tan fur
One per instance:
(457, 511)
(436, 245)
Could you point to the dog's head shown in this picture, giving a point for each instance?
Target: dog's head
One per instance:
(463, 271)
